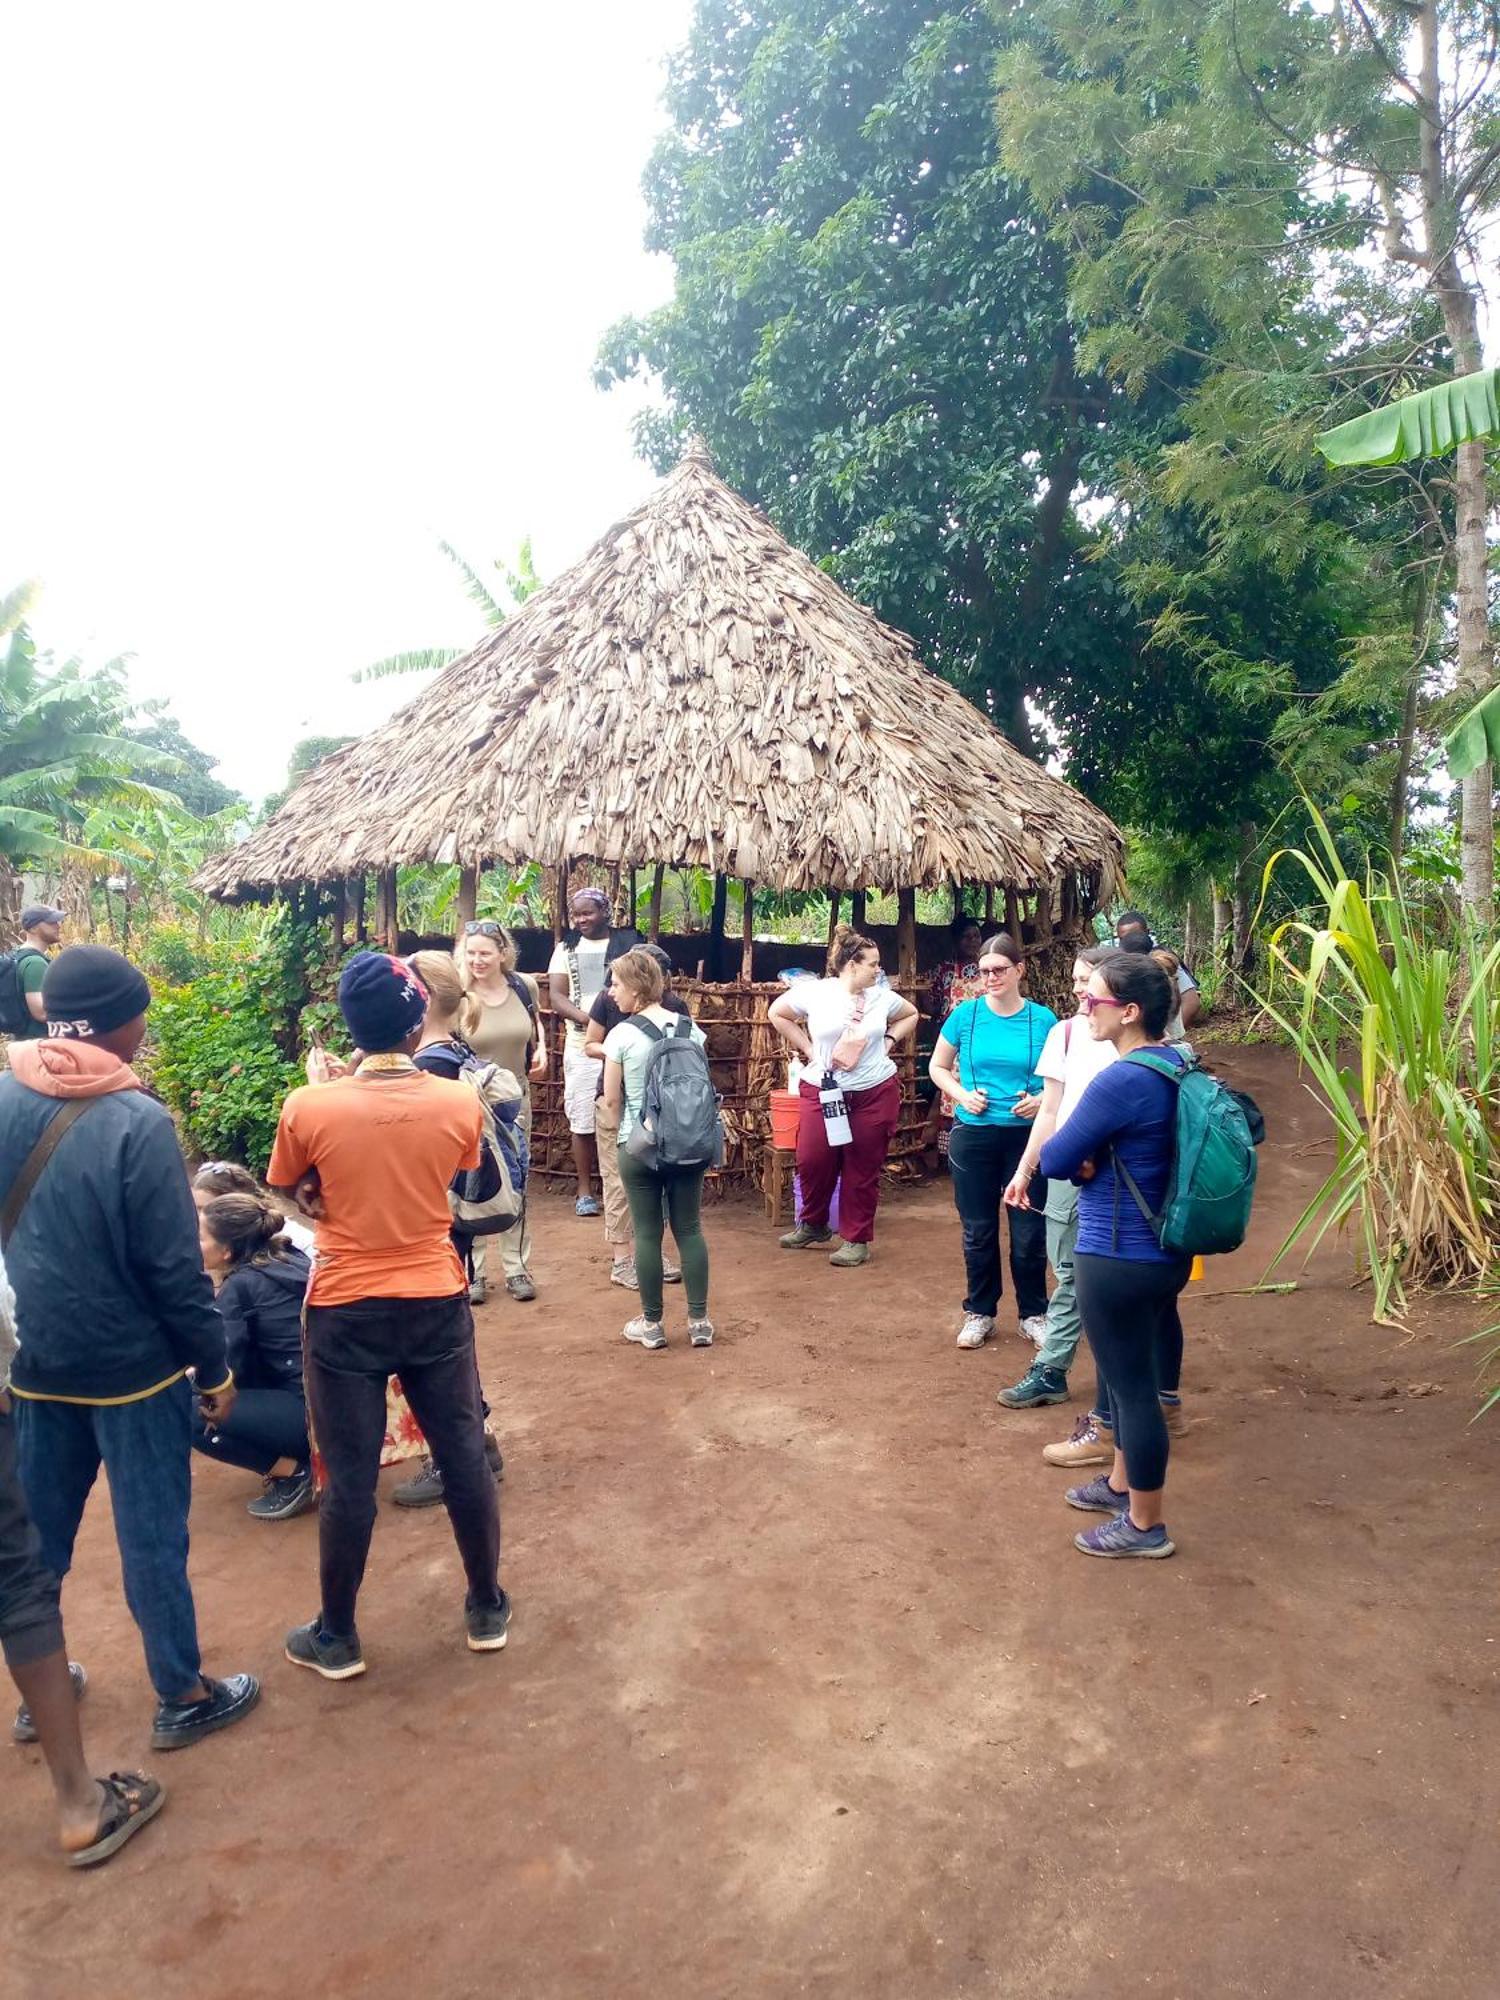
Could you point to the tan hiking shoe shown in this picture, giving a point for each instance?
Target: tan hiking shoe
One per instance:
(1090, 1444)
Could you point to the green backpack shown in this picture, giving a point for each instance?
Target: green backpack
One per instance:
(1212, 1183)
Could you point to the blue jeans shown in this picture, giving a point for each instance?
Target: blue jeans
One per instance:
(145, 1449)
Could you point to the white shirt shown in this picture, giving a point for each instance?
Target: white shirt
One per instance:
(589, 953)
(631, 1049)
(828, 1006)
(1070, 1056)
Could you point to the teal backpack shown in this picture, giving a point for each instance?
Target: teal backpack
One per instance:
(1212, 1183)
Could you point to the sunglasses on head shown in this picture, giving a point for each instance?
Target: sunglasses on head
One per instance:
(484, 928)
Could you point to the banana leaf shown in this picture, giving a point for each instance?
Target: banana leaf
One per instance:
(1475, 738)
(1423, 426)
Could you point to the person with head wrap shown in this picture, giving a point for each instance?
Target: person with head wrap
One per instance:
(576, 976)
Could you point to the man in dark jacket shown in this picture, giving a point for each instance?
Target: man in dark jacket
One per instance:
(113, 1309)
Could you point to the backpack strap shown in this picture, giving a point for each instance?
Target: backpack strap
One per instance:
(35, 1163)
(1159, 1065)
(647, 1028)
(522, 992)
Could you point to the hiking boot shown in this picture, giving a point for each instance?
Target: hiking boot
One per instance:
(1098, 1497)
(804, 1236)
(1121, 1537)
(1090, 1444)
(646, 1332)
(976, 1329)
(1034, 1328)
(23, 1729)
(700, 1332)
(426, 1490)
(180, 1723)
(1037, 1386)
(1177, 1420)
(520, 1287)
(284, 1499)
(671, 1274)
(479, 1291)
(587, 1205)
(851, 1256)
(487, 1625)
(623, 1273)
(335, 1659)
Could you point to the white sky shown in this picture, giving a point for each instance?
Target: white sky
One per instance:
(292, 292)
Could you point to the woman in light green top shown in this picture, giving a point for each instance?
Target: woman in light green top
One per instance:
(635, 985)
(507, 1032)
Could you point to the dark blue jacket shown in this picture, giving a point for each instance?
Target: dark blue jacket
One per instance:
(112, 1301)
(261, 1306)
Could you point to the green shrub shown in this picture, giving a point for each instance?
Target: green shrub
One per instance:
(217, 1062)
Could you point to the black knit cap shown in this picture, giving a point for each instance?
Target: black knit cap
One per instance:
(381, 999)
(90, 990)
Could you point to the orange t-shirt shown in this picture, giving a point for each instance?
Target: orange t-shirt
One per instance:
(385, 1148)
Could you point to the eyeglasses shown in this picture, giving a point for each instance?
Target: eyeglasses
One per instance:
(1089, 1001)
(996, 971)
(483, 929)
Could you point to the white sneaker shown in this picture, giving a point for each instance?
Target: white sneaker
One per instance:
(976, 1329)
(623, 1273)
(646, 1331)
(1034, 1329)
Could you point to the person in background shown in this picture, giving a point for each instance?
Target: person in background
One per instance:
(653, 1191)
(576, 977)
(96, 1816)
(506, 1030)
(1071, 1058)
(1128, 1285)
(985, 1064)
(604, 1015)
(1176, 1031)
(216, 1177)
(41, 933)
(957, 978)
(388, 1296)
(115, 1311)
(1130, 925)
(261, 1279)
(847, 1025)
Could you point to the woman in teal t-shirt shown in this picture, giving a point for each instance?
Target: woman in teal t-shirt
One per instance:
(985, 1063)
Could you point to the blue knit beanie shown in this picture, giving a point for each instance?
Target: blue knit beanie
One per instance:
(381, 999)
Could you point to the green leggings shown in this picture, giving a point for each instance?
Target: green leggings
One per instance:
(679, 1194)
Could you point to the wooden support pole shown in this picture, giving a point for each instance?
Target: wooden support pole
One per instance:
(716, 927)
(385, 907)
(654, 918)
(956, 890)
(1043, 911)
(989, 903)
(857, 910)
(635, 896)
(468, 894)
(361, 912)
(833, 916)
(747, 936)
(906, 937)
(1013, 914)
(340, 915)
(560, 902)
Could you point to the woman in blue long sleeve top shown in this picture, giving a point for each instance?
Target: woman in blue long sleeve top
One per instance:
(1127, 1285)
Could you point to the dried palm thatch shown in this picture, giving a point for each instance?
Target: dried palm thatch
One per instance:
(694, 691)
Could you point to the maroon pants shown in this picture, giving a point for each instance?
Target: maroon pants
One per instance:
(853, 1169)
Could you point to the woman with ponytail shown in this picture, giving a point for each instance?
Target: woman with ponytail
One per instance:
(260, 1279)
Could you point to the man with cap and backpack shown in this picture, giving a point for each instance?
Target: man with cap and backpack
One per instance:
(22, 971)
(388, 1297)
(114, 1312)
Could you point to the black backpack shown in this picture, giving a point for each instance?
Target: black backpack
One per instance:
(15, 1016)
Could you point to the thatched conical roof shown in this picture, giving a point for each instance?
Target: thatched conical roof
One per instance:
(695, 691)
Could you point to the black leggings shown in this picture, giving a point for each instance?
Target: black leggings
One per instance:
(1129, 1312)
(982, 1160)
(264, 1425)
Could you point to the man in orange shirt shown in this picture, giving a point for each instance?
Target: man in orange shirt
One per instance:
(388, 1297)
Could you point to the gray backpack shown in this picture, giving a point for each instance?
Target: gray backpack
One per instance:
(677, 1121)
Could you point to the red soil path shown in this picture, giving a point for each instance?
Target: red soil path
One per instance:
(808, 1692)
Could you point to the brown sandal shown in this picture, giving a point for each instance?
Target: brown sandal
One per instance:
(130, 1799)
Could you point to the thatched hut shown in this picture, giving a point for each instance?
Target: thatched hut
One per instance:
(694, 692)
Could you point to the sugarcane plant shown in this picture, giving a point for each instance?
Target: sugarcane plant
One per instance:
(1395, 1015)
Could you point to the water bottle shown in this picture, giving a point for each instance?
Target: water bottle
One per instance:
(836, 1127)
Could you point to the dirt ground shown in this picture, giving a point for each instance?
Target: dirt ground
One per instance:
(808, 1692)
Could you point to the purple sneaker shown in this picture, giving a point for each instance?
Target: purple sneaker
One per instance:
(1098, 1497)
(1121, 1537)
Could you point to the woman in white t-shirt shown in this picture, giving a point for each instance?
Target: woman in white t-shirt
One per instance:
(845, 1027)
(636, 988)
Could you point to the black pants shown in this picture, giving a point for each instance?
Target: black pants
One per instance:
(264, 1425)
(981, 1161)
(352, 1350)
(30, 1622)
(1129, 1313)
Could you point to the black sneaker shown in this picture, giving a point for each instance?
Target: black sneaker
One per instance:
(284, 1499)
(335, 1659)
(23, 1729)
(426, 1490)
(488, 1625)
(180, 1723)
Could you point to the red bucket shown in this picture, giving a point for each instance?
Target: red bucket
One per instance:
(786, 1115)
